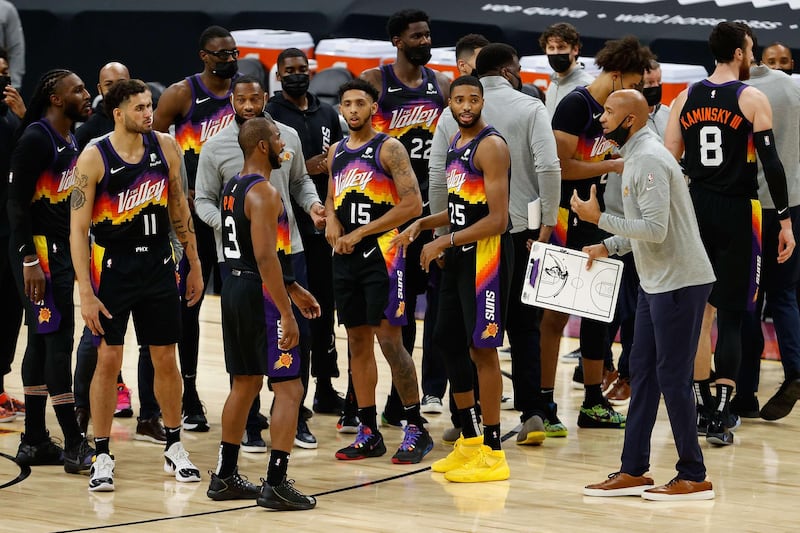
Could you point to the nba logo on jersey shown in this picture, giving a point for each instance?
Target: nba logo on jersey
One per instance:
(465, 157)
(154, 160)
(714, 93)
(431, 89)
(368, 153)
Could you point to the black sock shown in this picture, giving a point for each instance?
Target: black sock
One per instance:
(491, 436)
(101, 445)
(2, 383)
(35, 429)
(412, 416)
(278, 463)
(173, 435)
(703, 396)
(470, 422)
(369, 417)
(65, 413)
(547, 396)
(228, 457)
(724, 393)
(594, 395)
(324, 384)
(120, 381)
(190, 386)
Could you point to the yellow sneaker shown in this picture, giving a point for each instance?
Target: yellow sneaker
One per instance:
(486, 465)
(463, 451)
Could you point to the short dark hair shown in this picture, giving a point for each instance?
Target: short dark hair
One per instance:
(254, 130)
(398, 22)
(246, 79)
(358, 84)
(468, 43)
(624, 55)
(472, 81)
(653, 65)
(561, 30)
(212, 32)
(726, 37)
(493, 57)
(121, 91)
(290, 52)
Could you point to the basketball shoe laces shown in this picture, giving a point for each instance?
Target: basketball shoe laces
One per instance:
(364, 435)
(412, 434)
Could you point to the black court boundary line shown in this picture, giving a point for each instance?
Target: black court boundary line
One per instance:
(219, 511)
(24, 472)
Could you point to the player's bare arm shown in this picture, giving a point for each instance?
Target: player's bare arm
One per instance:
(88, 173)
(374, 77)
(333, 228)
(262, 206)
(174, 103)
(673, 139)
(181, 219)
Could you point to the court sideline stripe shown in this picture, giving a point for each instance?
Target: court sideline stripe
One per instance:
(24, 472)
(218, 511)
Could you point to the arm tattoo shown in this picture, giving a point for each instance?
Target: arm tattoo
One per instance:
(78, 196)
(399, 165)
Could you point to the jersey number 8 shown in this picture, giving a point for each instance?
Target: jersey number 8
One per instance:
(710, 146)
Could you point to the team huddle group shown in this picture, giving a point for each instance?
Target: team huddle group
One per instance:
(426, 192)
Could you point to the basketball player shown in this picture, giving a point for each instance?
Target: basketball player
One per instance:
(42, 172)
(475, 284)
(371, 192)
(259, 331)
(721, 123)
(412, 98)
(129, 189)
(199, 107)
(586, 157)
(676, 276)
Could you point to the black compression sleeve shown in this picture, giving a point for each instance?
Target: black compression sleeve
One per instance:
(773, 171)
(33, 153)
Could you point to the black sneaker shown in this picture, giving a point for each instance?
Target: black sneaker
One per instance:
(150, 430)
(745, 405)
(718, 432)
(417, 442)
(347, 424)
(233, 487)
(79, 458)
(327, 401)
(194, 417)
(253, 443)
(367, 444)
(284, 497)
(599, 416)
(702, 420)
(304, 438)
(306, 413)
(577, 377)
(782, 403)
(263, 421)
(44, 453)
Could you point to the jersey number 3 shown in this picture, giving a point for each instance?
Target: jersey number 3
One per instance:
(231, 248)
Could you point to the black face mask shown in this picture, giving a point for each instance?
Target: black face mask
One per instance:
(518, 78)
(652, 95)
(295, 85)
(226, 69)
(786, 71)
(559, 62)
(418, 55)
(619, 135)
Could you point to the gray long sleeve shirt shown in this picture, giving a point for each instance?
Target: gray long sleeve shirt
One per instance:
(524, 123)
(784, 97)
(660, 226)
(221, 159)
(13, 40)
(561, 86)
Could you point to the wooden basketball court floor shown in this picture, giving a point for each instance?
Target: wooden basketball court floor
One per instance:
(757, 481)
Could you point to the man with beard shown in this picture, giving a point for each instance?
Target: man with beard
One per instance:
(318, 126)
(475, 286)
(660, 229)
(778, 56)
(42, 173)
(99, 123)
(371, 192)
(131, 268)
(718, 122)
(562, 44)
(412, 98)
(222, 161)
(259, 330)
(199, 107)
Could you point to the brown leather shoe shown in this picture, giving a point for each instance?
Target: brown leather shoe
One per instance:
(620, 393)
(680, 490)
(609, 377)
(619, 484)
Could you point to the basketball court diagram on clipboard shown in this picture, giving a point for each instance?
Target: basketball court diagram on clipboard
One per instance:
(557, 279)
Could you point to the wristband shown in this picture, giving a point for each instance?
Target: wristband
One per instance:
(452, 239)
(31, 263)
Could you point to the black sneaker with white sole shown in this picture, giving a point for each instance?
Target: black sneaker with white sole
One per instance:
(42, 453)
(303, 438)
(718, 432)
(78, 458)
(284, 497)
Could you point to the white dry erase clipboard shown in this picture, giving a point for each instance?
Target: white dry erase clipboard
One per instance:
(556, 278)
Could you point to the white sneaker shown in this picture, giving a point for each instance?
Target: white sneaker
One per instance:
(176, 461)
(506, 403)
(431, 404)
(101, 474)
